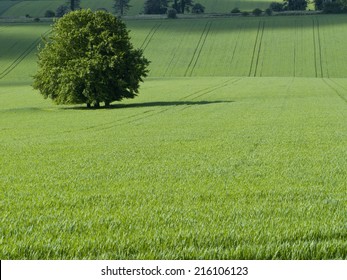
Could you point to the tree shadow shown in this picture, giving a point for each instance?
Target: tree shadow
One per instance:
(150, 104)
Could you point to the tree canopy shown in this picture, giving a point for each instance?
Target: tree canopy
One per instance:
(88, 58)
(156, 6)
(295, 5)
(121, 6)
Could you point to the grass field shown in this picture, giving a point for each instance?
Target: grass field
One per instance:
(235, 148)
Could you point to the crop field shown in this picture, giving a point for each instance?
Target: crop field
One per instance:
(256, 47)
(235, 148)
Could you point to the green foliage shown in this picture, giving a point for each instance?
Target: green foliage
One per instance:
(88, 58)
(268, 12)
(183, 5)
(235, 11)
(198, 9)
(121, 6)
(49, 14)
(156, 6)
(257, 12)
(245, 13)
(319, 4)
(172, 13)
(276, 7)
(74, 4)
(62, 10)
(295, 5)
(335, 7)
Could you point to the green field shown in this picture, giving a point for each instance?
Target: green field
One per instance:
(235, 148)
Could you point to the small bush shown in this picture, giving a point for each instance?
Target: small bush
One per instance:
(235, 11)
(62, 10)
(49, 14)
(268, 12)
(276, 7)
(245, 14)
(27, 16)
(257, 12)
(198, 9)
(171, 13)
(36, 19)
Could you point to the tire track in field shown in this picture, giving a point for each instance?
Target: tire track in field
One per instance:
(295, 43)
(142, 115)
(198, 49)
(256, 49)
(317, 50)
(20, 58)
(344, 98)
(236, 44)
(150, 36)
(176, 53)
(314, 49)
(207, 90)
(148, 114)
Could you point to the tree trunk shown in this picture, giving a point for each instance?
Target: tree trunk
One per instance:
(88, 105)
(97, 105)
(107, 104)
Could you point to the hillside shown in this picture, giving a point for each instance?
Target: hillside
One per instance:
(296, 46)
(265, 47)
(37, 8)
(235, 147)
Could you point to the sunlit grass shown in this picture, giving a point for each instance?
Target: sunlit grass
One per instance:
(200, 172)
(211, 164)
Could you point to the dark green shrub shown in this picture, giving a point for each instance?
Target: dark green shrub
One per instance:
(268, 12)
(49, 14)
(245, 14)
(276, 7)
(198, 9)
(62, 10)
(257, 12)
(235, 11)
(171, 13)
(332, 8)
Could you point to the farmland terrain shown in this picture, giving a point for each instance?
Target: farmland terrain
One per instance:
(235, 148)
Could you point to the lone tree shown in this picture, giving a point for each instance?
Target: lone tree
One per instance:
(88, 58)
(121, 6)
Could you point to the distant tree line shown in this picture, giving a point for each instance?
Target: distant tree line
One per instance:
(173, 7)
(327, 6)
(180, 6)
(121, 7)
